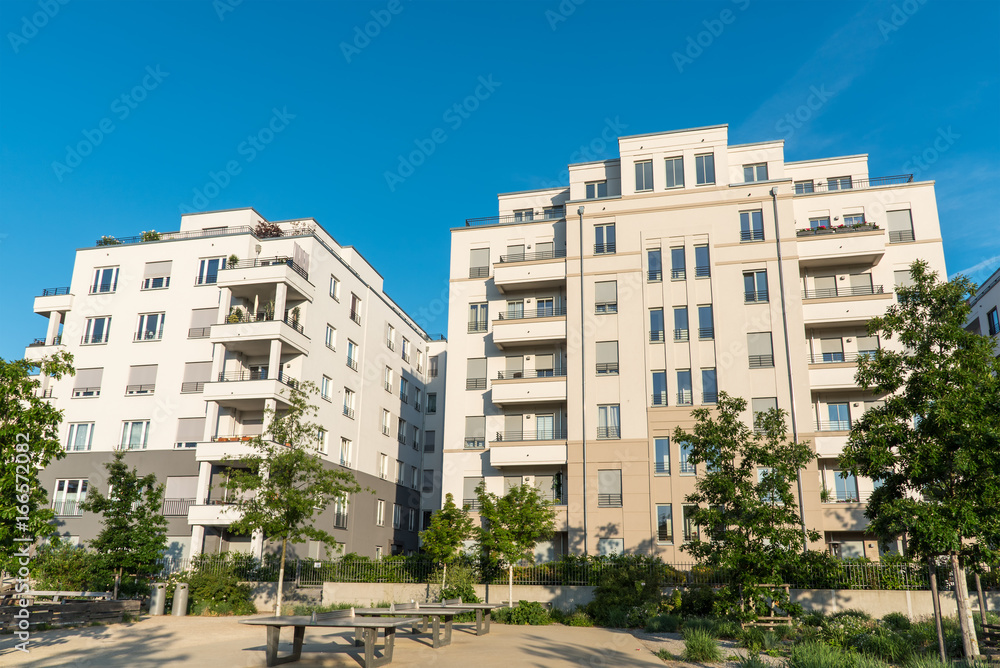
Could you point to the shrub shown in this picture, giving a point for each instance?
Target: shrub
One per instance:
(814, 619)
(897, 621)
(266, 230)
(851, 612)
(816, 655)
(60, 566)
(783, 632)
(303, 609)
(665, 655)
(752, 638)
(663, 624)
(725, 628)
(525, 612)
(673, 602)
(698, 600)
(750, 661)
(700, 646)
(701, 624)
(884, 644)
(215, 589)
(108, 241)
(627, 582)
(150, 235)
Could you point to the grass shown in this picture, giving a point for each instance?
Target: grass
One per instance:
(750, 661)
(665, 655)
(663, 624)
(816, 655)
(700, 646)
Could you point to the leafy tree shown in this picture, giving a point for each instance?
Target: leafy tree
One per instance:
(29, 441)
(284, 484)
(443, 538)
(933, 448)
(512, 525)
(748, 514)
(134, 536)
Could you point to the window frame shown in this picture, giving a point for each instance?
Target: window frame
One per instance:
(671, 167)
(703, 164)
(646, 176)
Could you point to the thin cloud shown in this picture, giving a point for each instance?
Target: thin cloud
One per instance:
(987, 266)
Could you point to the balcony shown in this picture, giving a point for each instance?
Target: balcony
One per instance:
(547, 214)
(513, 448)
(247, 390)
(245, 278)
(39, 348)
(213, 514)
(833, 425)
(545, 325)
(176, 507)
(847, 305)
(530, 271)
(847, 496)
(527, 387)
(218, 450)
(862, 244)
(252, 333)
(833, 371)
(853, 184)
(53, 300)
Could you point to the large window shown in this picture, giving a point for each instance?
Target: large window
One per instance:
(604, 239)
(607, 357)
(755, 172)
(664, 523)
(81, 436)
(345, 452)
(609, 488)
(709, 386)
(706, 322)
(97, 331)
(705, 168)
(684, 392)
(208, 270)
(702, 264)
(401, 431)
(804, 187)
(675, 172)
(355, 308)
(678, 271)
(69, 495)
(659, 397)
(335, 287)
(993, 321)
(105, 280)
(433, 366)
(87, 383)
(751, 225)
(760, 406)
(380, 512)
(324, 387)
(606, 297)
(656, 324)
(432, 403)
(687, 467)
(479, 263)
(475, 432)
(430, 438)
(385, 422)
(352, 355)
(475, 373)
(597, 189)
(135, 434)
(331, 337)
(156, 275)
(655, 262)
(900, 226)
(478, 318)
(690, 528)
(755, 286)
(661, 456)
(348, 402)
(141, 379)
(760, 349)
(840, 416)
(680, 323)
(839, 183)
(150, 327)
(643, 175)
(608, 421)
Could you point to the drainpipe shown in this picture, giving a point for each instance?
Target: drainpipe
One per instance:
(788, 362)
(583, 391)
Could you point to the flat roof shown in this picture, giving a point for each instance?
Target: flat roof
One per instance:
(670, 132)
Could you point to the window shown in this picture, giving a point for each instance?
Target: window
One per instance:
(355, 308)
(867, 345)
(470, 498)
(352, 355)
(604, 239)
(81, 436)
(432, 367)
(661, 456)
(659, 380)
(684, 396)
(900, 225)
(524, 215)
(135, 435)
(761, 352)
(675, 172)
(428, 483)
(430, 436)
(141, 379)
(420, 361)
(706, 323)
(379, 518)
(840, 416)
(821, 223)
(751, 225)
(475, 377)
(760, 407)
(680, 323)
(845, 486)
(105, 280)
(678, 270)
(655, 271)
(401, 431)
(832, 349)
(97, 331)
(993, 321)
(609, 488)
(202, 320)
(324, 388)
(404, 390)
(189, 432)
(68, 496)
(690, 528)
(390, 337)
(515, 309)
(340, 506)
(545, 250)
(400, 472)
(321, 440)
(348, 402)
(411, 522)
(664, 523)
(478, 317)
(208, 270)
(418, 399)
(755, 172)
(378, 548)
(606, 297)
(479, 263)
(387, 379)
(804, 187)
(705, 168)
(475, 432)
(415, 437)
(597, 189)
(150, 327)
(709, 386)
(331, 337)
(656, 324)
(335, 287)
(608, 421)
(755, 286)
(643, 175)
(854, 219)
(607, 357)
(405, 348)
(345, 452)
(552, 212)
(839, 183)
(156, 275)
(432, 403)
(385, 422)
(702, 265)
(383, 466)
(687, 467)
(196, 374)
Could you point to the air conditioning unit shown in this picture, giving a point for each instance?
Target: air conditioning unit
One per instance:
(528, 480)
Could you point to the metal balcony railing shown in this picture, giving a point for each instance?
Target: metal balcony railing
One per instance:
(687, 468)
(656, 335)
(751, 235)
(847, 496)
(900, 236)
(244, 375)
(37, 342)
(405, 398)
(139, 389)
(609, 500)
(543, 312)
(604, 249)
(755, 297)
(193, 386)
(761, 361)
(67, 507)
(473, 443)
(609, 432)
(856, 291)
(833, 358)
(349, 412)
(531, 257)
(79, 392)
(147, 335)
(537, 435)
(267, 262)
(685, 398)
(664, 536)
(607, 368)
(854, 184)
(55, 292)
(680, 335)
(654, 275)
(470, 504)
(260, 316)
(340, 520)
(706, 333)
(475, 383)
(478, 326)
(658, 399)
(662, 468)
(531, 373)
(199, 332)
(479, 272)
(173, 507)
(702, 272)
(352, 363)
(709, 397)
(678, 274)
(356, 317)
(833, 425)
(553, 213)
(167, 236)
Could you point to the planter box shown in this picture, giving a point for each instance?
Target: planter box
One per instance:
(835, 230)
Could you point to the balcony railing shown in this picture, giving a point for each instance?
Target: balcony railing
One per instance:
(267, 262)
(405, 398)
(478, 326)
(36, 343)
(685, 398)
(702, 272)
(67, 507)
(531, 257)
(855, 291)
(678, 274)
(706, 333)
(475, 383)
(840, 229)
(834, 358)
(55, 292)
(609, 432)
(607, 368)
(609, 500)
(656, 335)
(543, 312)
(479, 272)
(680, 335)
(238, 376)
(856, 184)
(606, 307)
(662, 468)
(709, 397)
(537, 435)
(170, 236)
(349, 412)
(356, 317)
(79, 392)
(761, 361)
(751, 235)
(900, 236)
(176, 506)
(754, 297)
(199, 332)
(847, 496)
(149, 336)
(193, 386)
(340, 520)
(604, 249)
(260, 316)
(531, 373)
(352, 363)
(654, 275)
(470, 504)
(833, 425)
(687, 468)
(554, 213)
(658, 399)
(474, 443)
(139, 389)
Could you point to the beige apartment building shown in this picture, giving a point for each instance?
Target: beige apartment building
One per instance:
(984, 317)
(587, 321)
(181, 341)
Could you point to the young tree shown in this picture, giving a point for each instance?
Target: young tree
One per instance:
(933, 448)
(134, 536)
(284, 484)
(29, 441)
(744, 500)
(512, 525)
(444, 536)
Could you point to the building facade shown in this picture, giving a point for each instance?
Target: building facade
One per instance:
(186, 342)
(984, 317)
(587, 321)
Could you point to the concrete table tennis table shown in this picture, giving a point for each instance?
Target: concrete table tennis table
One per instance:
(483, 611)
(436, 613)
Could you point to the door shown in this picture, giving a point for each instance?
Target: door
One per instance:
(544, 427)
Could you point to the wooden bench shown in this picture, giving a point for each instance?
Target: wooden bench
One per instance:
(56, 595)
(990, 642)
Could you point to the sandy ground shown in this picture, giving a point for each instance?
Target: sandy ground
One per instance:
(674, 643)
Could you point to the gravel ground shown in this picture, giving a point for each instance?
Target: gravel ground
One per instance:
(674, 643)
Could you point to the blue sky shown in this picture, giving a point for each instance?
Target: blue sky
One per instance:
(896, 77)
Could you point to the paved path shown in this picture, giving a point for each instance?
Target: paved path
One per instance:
(220, 642)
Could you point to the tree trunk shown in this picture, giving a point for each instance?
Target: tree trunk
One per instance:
(118, 579)
(510, 585)
(444, 576)
(969, 642)
(281, 578)
(932, 569)
(982, 600)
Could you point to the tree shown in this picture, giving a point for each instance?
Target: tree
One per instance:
(511, 527)
(933, 448)
(283, 484)
(134, 533)
(744, 500)
(29, 441)
(444, 536)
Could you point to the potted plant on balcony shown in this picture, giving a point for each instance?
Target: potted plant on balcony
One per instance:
(236, 314)
(296, 312)
(233, 261)
(108, 241)
(269, 310)
(265, 230)
(824, 495)
(150, 235)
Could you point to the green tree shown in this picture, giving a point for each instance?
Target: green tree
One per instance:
(933, 448)
(448, 530)
(29, 441)
(746, 510)
(511, 527)
(283, 484)
(134, 533)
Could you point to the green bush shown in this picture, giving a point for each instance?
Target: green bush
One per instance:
(579, 618)
(897, 621)
(663, 624)
(816, 655)
(851, 612)
(629, 589)
(215, 588)
(752, 638)
(698, 601)
(525, 612)
(60, 566)
(665, 655)
(302, 609)
(700, 646)
(709, 626)
(750, 661)
(884, 644)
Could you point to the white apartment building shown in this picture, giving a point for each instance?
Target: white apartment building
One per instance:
(588, 320)
(985, 317)
(182, 340)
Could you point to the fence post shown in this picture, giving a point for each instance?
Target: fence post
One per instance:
(298, 572)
